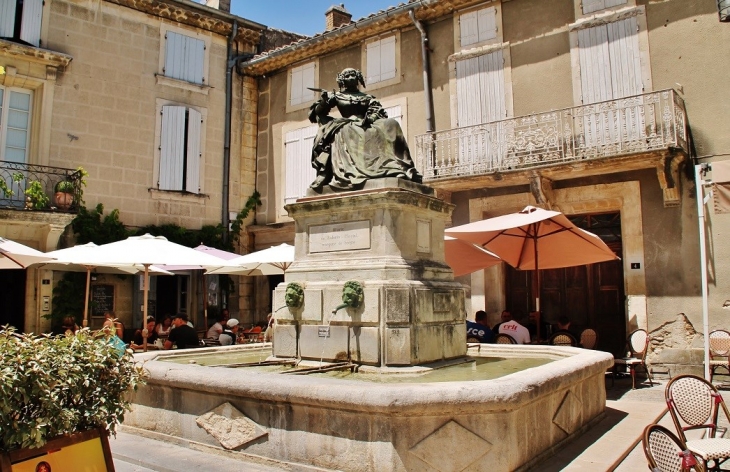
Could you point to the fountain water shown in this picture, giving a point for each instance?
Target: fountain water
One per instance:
(389, 238)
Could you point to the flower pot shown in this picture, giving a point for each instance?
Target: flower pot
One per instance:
(64, 200)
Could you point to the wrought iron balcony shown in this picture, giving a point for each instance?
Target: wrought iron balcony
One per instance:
(33, 187)
(638, 124)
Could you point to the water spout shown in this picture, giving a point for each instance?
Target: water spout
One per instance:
(339, 307)
(280, 308)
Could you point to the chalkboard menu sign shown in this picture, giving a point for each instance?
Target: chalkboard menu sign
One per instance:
(102, 299)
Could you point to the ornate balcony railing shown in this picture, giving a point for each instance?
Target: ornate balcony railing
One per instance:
(33, 187)
(641, 123)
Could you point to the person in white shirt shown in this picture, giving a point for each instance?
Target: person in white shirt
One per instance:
(217, 327)
(230, 333)
(516, 330)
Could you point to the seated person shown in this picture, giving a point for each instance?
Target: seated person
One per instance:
(111, 320)
(564, 326)
(230, 333)
(514, 329)
(217, 328)
(545, 328)
(505, 316)
(67, 327)
(479, 329)
(163, 328)
(138, 341)
(182, 336)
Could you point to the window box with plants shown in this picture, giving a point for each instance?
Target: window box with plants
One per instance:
(60, 397)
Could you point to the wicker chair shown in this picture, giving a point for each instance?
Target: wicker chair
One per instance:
(502, 338)
(588, 338)
(665, 452)
(719, 351)
(695, 404)
(562, 338)
(638, 342)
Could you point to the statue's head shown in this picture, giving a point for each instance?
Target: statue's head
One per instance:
(347, 73)
(352, 294)
(294, 295)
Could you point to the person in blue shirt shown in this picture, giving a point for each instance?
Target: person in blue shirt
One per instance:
(478, 330)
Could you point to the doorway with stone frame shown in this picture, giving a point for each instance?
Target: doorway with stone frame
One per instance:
(591, 296)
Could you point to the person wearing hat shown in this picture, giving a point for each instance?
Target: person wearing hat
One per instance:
(230, 333)
(183, 336)
(138, 341)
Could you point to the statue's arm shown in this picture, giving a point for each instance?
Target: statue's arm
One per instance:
(321, 108)
(375, 111)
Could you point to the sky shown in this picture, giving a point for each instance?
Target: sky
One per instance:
(303, 16)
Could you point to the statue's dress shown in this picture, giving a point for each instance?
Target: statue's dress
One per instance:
(363, 144)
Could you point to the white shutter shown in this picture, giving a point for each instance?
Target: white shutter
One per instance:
(374, 65)
(192, 164)
(172, 142)
(7, 18)
(468, 28)
(487, 23)
(30, 27)
(299, 171)
(395, 113)
(615, 3)
(387, 58)
(480, 89)
(184, 57)
(301, 78)
(595, 73)
(623, 40)
(589, 6)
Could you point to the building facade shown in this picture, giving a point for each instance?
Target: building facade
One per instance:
(135, 93)
(597, 109)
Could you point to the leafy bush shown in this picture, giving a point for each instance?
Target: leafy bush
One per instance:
(50, 386)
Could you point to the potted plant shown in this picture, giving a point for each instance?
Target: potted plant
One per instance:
(58, 391)
(64, 195)
(35, 196)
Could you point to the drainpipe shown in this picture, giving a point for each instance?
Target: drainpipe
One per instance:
(227, 131)
(426, 76)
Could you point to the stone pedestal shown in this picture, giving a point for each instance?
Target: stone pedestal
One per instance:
(389, 238)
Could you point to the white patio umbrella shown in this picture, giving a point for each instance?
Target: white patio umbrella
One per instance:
(17, 256)
(83, 258)
(145, 251)
(535, 239)
(271, 261)
(464, 257)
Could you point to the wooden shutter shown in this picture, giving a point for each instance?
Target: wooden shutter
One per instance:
(192, 164)
(468, 28)
(395, 113)
(590, 6)
(299, 171)
(480, 89)
(374, 65)
(595, 64)
(184, 57)
(7, 18)
(15, 126)
(623, 40)
(301, 78)
(387, 58)
(172, 142)
(487, 23)
(30, 27)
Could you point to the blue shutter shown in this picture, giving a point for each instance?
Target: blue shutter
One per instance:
(192, 169)
(172, 142)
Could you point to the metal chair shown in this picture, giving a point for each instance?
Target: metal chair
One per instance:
(719, 351)
(638, 343)
(562, 338)
(694, 404)
(665, 452)
(588, 338)
(502, 338)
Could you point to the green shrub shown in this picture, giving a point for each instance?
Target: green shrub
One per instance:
(50, 386)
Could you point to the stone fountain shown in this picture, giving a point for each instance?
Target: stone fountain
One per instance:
(370, 288)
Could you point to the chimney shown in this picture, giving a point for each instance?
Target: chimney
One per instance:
(225, 5)
(337, 16)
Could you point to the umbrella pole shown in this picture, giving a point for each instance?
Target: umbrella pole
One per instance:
(537, 298)
(85, 323)
(204, 294)
(144, 307)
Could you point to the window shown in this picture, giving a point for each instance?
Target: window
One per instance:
(590, 6)
(15, 109)
(300, 79)
(180, 149)
(478, 26)
(380, 60)
(20, 20)
(299, 171)
(184, 57)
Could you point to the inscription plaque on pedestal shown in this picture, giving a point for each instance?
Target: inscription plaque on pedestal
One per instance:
(339, 236)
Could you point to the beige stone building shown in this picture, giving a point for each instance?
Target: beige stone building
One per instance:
(598, 109)
(136, 93)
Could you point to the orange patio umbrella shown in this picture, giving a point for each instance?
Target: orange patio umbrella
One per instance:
(464, 257)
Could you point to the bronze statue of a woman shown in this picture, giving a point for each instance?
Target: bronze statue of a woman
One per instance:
(364, 144)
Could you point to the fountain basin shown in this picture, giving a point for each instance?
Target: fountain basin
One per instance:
(508, 423)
